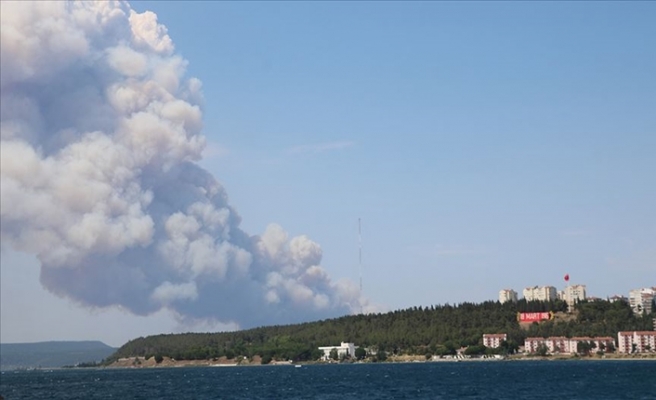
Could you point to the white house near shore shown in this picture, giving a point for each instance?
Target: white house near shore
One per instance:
(344, 349)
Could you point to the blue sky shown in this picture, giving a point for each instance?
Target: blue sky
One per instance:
(484, 145)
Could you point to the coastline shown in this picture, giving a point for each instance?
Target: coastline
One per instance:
(141, 362)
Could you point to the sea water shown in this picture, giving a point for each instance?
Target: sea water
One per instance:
(595, 380)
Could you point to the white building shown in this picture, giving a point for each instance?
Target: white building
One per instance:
(540, 293)
(531, 344)
(572, 295)
(615, 298)
(506, 295)
(598, 341)
(561, 344)
(558, 344)
(644, 341)
(343, 350)
(493, 340)
(641, 299)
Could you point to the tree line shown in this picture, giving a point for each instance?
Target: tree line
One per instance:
(438, 329)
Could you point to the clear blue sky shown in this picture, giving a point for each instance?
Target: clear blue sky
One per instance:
(484, 145)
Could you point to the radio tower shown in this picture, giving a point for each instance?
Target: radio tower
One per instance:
(360, 261)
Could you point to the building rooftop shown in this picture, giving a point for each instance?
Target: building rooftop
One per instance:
(637, 332)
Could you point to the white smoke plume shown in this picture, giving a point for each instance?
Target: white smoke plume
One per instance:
(100, 134)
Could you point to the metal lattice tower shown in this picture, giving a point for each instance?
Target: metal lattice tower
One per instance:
(360, 261)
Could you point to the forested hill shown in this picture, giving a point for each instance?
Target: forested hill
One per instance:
(435, 329)
(52, 354)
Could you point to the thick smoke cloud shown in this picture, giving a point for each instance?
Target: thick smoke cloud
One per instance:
(100, 134)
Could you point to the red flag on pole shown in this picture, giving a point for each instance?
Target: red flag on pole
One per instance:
(566, 277)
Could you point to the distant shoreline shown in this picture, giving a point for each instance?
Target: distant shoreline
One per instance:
(131, 362)
(226, 363)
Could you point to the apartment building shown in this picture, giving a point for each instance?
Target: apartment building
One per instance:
(574, 293)
(636, 342)
(506, 295)
(641, 300)
(561, 344)
(493, 340)
(558, 344)
(599, 342)
(540, 293)
(532, 344)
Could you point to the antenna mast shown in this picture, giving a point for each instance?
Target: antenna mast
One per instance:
(360, 261)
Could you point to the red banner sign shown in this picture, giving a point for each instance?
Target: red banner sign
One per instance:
(534, 316)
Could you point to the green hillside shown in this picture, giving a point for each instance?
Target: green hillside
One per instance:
(51, 354)
(436, 329)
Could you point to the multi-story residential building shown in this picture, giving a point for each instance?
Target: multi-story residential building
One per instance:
(606, 341)
(625, 342)
(558, 344)
(506, 295)
(636, 342)
(493, 340)
(561, 344)
(532, 344)
(641, 300)
(540, 293)
(572, 295)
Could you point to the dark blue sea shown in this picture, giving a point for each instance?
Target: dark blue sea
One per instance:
(595, 380)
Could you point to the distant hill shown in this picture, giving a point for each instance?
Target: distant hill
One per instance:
(51, 354)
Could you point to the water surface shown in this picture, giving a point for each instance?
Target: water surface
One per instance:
(594, 380)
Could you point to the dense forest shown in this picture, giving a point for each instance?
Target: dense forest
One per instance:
(430, 330)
